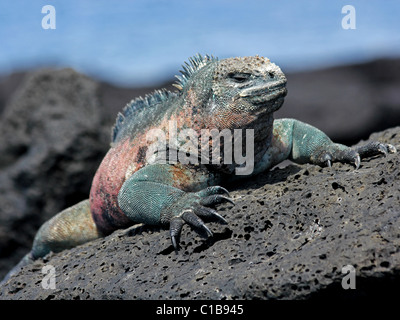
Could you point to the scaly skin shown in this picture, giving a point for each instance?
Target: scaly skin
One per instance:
(129, 187)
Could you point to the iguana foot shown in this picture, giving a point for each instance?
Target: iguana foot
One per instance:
(374, 148)
(354, 155)
(348, 155)
(194, 205)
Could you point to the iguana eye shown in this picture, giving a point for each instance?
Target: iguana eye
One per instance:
(239, 77)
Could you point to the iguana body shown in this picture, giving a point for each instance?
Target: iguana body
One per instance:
(131, 187)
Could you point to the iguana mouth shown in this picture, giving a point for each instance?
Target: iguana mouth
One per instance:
(265, 93)
(276, 89)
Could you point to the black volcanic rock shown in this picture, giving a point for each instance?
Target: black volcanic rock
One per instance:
(52, 139)
(289, 236)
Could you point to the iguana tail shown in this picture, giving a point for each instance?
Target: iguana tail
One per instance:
(69, 228)
(27, 259)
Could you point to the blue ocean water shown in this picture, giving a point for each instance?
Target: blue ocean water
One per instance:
(140, 42)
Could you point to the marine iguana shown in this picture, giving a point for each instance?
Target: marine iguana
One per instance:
(130, 187)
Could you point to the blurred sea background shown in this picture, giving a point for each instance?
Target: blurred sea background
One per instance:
(142, 43)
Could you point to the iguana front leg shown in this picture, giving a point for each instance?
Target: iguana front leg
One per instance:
(171, 194)
(303, 143)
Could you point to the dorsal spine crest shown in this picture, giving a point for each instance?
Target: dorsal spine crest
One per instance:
(137, 105)
(190, 68)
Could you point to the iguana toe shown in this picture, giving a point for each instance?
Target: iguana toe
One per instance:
(375, 148)
(386, 148)
(213, 190)
(209, 213)
(192, 219)
(175, 228)
(391, 148)
(215, 199)
(191, 207)
(354, 155)
(348, 155)
(357, 162)
(327, 159)
(214, 195)
(187, 216)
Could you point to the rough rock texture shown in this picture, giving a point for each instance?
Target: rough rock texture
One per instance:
(52, 139)
(289, 235)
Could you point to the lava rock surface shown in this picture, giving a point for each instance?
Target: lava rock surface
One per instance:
(52, 139)
(289, 235)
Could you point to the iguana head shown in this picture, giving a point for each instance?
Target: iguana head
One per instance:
(233, 92)
(250, 87)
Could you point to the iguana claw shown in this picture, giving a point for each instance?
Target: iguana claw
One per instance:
(386, 148)
(327, 158)
(374, 148)
(175, 228)
(196, 207)
(209, 213)
(357, 161)
(191, 218)
(354, 155)
(212, 191)
(391, 148)
(382, 148)
(215, 199)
